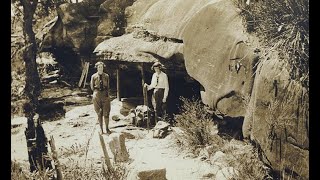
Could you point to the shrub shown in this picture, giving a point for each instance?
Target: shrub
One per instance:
(245, 159)
(282, 25)
(197, 125)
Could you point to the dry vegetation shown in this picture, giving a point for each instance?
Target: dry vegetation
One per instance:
(75, 167)
(200, 132)
(282, 25)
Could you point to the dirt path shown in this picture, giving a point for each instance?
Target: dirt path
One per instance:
(79, 130)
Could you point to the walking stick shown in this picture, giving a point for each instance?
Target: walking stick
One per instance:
(145, 102)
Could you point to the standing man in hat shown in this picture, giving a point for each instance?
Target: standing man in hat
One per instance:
(101, 101)
(160, 86)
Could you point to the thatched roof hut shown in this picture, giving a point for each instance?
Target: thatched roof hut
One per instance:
(138, 46)
(137, 51)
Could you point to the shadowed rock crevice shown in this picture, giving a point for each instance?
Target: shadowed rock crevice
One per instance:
(230, 127)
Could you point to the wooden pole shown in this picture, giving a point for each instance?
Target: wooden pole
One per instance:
(118, 84)
(82, 75)
(105, 152)
(143, 81)
(145, 95)
(55, 158)
(86, 74)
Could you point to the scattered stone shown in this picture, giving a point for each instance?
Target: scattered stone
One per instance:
(53, 82)
(84, 115)
(204, 153)
(156, 174)
(18, 121)
(161, 129)
(218, 156)
(76, 125)
(79, 93)
(208, 176)
(116, 143)
(128, 135)
(190, 155)
(203, 158)
(76, 100)
(115, 118)
(227, 173)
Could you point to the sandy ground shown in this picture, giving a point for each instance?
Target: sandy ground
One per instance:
(79, 129)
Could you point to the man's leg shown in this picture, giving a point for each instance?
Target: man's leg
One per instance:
(106, 113)
(106, 121)
(100, 120)
(97, 107)
(154, 104)
(158, 100)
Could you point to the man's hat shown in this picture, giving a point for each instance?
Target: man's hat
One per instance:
(157, 64)
(99, 63)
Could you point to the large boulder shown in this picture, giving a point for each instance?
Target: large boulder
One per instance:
(218, 56)
(237, 82)
(165, 17)
(278, 119)
(75, 28)
(72, 34)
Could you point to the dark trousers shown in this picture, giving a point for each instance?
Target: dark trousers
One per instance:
(158, 106)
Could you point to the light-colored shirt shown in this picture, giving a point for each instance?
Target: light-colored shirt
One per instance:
(160, 81)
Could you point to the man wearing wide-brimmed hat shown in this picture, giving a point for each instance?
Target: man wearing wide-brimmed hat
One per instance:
(160, 86)
(101, 101)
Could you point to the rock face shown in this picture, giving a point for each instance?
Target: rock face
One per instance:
(219, 54)
(277, 118)
(166, 17)
(73, 35)
(224, 60)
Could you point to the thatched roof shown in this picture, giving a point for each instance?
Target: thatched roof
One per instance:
(137, 47)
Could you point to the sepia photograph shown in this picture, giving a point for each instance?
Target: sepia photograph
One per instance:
(160, 90)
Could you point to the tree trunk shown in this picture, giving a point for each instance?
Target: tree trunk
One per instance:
(35, 136)
(32, 86)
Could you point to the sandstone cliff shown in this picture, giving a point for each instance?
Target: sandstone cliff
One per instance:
(238, 80)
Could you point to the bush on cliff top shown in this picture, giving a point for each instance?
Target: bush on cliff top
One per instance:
(282, 25)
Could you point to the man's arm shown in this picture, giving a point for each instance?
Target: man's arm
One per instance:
(166, 88)
(108, 85)
(153, 82)
(91, 83)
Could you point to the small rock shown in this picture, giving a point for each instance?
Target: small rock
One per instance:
(161, 129)
(203, 158)
(218, 156)
(79, 94)
(76, 125)
(190, 155)
(157, 174)
(53, 82)
(208, 176)
(115, 118)
(84, 115)
(227, 173)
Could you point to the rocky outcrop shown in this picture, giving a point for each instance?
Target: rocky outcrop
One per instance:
(278, 119)
(75, 27)
(167, 18)
(239, 82)
(211, 39)
(217, 55)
